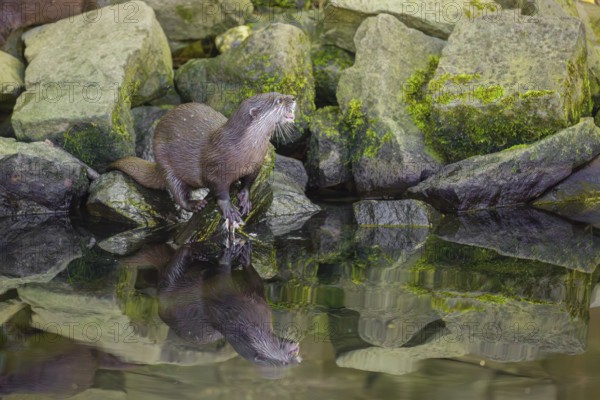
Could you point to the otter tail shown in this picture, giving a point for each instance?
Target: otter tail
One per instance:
(145, 173)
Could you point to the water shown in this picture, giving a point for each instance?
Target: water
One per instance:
(491, 305)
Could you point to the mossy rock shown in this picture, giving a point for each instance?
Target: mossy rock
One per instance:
(328, 159)
(524, 88)
(273, 59)
(328, 64)
(388, 149)
(12, 73)
(80, 94)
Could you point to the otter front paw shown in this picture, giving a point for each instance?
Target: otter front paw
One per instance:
(197, 205)
(245, 204)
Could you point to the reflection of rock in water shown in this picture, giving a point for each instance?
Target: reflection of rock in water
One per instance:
(35, 249)
(203, 301)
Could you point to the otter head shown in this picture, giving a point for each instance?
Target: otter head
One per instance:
(265, 348)
(269, 109)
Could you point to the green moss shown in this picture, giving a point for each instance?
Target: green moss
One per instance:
(186, 13)
(535, 93)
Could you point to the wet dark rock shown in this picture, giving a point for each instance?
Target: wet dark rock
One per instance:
(130, 241)
(513, 176)
(328, 161)
(35, 249)
(145, 119)
(328, 64)
(528, 234)
(39, 178)
(577, 197)
(224, 81)
(117, 197)
(343, 18)
(289, 201)
(292, 168)
(411, 213)
(389, 153)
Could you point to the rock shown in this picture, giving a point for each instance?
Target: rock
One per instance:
(328, 64)
(293, 169)
(81, 93)
(130, 241)
(38, 178)
(35, 248)
(12, 72)
(289, 199)
(509, 93)
(328, 160)
(145, 119)
(577, 197)
(407, 213)
(232, 38)
(194, 19)
(512, 176)
(526, 234)
(595, 297)
(115, 196)
(432, 17)
(273, 59)
(389, 153)
(590, 15)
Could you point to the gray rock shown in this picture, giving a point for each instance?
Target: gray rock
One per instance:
(130, 241)
(39, 178)
(35, 248)
(343, 17)
(590, 15)
(115, 196)
(12, 73)
(273, 59)
(407, 213)
(80, 93)
(328, 161)
(390, 153)
(525, 87)
(145, 119)
(232, 38)
(293, 169)
(9, 309)
(193, 19)
(512, 176)
(527, 234)
(288, 198)
(328, 64)
(577, 197)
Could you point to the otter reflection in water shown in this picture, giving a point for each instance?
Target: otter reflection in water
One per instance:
(204, 301)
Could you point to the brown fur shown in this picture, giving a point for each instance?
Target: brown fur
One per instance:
(196, 146)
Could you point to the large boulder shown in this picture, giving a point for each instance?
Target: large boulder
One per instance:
(526, 86)
(193, 19)
(289, 199)
(12, 72)
(328, 64)
(80, 91)
(577, 197)
(389, 149)
(272, 59)
(433, 17)
(511, 176)
(293, 169)
(39, 178)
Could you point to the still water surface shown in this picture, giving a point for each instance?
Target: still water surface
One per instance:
(496, 305)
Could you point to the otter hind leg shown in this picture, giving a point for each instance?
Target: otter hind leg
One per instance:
(244, 194)
(182, 192)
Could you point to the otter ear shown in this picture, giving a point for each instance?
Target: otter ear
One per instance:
(254, 112)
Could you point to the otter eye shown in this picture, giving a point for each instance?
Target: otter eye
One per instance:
(279, 100)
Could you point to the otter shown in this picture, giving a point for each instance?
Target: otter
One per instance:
(196, 146)
(203, 300)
